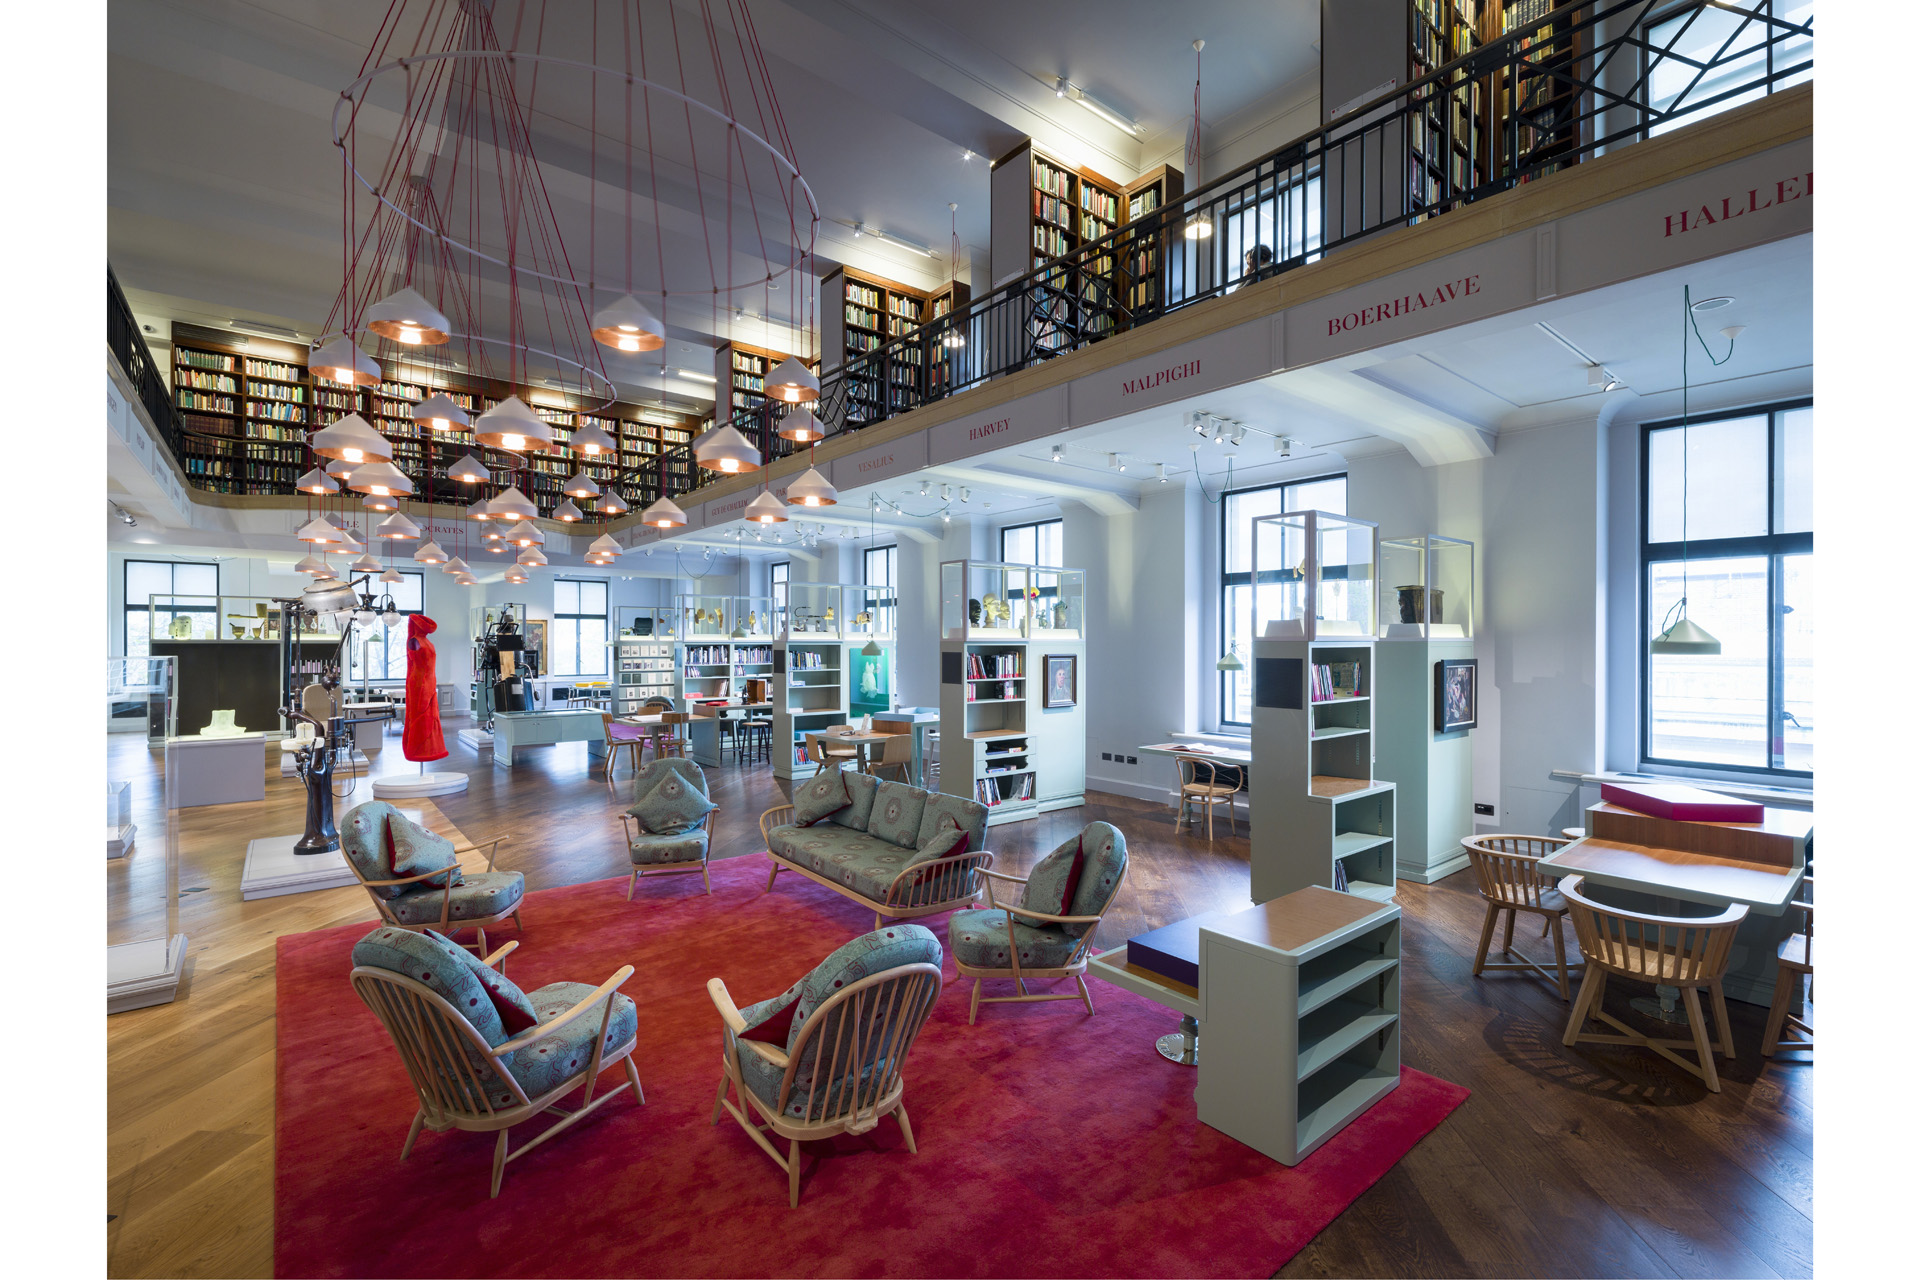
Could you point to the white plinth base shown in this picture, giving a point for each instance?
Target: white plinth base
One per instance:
(144, 973)
(396, 785)
(478, 739)
(120, 842)
(273, 869)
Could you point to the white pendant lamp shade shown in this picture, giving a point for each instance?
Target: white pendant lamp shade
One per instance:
(456, 566)
(566, 512)
(590, 441)
(430, 553)
(791, 383)
(493, 535)
(766, 509)
(380, 478)
(339, 360)
(408, 318)
(581, 485)
(319, 530)
(604, 545)
(511, 425)
(466, 579)
(340, 470)
(350, 440)
(314, 566)
(365, 564)
(516, 576)
(513, 505)
(872, 648)
(525, 534)
(532, 556)
(1685, 637)
(392, 575)
(1230, 661)
(469, 470)
(317, 481)
(811, 490)
(374, 502)
(611, 504)
(726, 450)
(396, 526)
(440, 412)
(664, 514)
(626, 325)
(480, 510)
(801, 427)
(348, 542)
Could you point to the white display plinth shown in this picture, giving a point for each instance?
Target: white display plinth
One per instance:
(396, 785)
(478, 739)
(120, 841)
(144, 973)
(274, 870)
(227, 770)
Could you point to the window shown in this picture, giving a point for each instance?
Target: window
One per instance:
(882, 595)
(1733, 533)
(1282, 216)
(579, 641)
(1038, 543)
(147, 578)
(777, 588)
(1237, 512)
(382, 650)
(1697, 52)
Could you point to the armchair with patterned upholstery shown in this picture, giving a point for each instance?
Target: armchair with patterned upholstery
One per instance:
(483, 1055)
(824, 1057)
(669, 828)
(1049, 932)
(414, 876)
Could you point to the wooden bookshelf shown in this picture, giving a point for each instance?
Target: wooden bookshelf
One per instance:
(860, 312)
(1534, 106)
(1447, 140)
(250, 437)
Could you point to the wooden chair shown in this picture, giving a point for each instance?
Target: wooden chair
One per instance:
(672, 741)
(622, 737)
(454, 909)
(671, 851)
(896, 754)
(463, 1082)
(1511, 883)
(1675, 951)
(1207, 783)
(829, 757)
(976, 938)
(840, 1068)
(1796, 962)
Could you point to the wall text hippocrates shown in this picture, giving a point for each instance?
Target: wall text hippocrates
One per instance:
(1404, 305)
(1160, 378)
(1752, 200)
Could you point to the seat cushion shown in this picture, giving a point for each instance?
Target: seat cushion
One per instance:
(650, 850)
(823, 794)
(363, 839)
(969, 815)
(671, 796)
(430, 959)
(861, 786)
(860, 861)
(897, 810)
(413, 850)
(979, 939)
(484, 895)
(549, 1062)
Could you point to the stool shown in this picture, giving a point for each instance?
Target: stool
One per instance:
(754, 741)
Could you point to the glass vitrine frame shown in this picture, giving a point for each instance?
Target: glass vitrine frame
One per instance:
(1426, 588)
(1295, 547)
(992, 600)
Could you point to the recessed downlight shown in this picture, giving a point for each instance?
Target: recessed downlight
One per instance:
(1713, 304)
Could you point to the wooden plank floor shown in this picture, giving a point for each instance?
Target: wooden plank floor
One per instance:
(1597, 1162)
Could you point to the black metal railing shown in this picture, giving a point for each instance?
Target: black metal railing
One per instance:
(130, 349)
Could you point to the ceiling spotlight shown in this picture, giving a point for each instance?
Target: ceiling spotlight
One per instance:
(1239, 432)
(1160, 472)
(1113, 461)
(1197, 422)
(924, 486)
(1056, 458)
(966, 494)
(1219, 432)
(946, 493)
(125, 519)
(1060, 87)
(1283, 445)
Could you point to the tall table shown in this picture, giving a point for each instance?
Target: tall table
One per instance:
(703, 736)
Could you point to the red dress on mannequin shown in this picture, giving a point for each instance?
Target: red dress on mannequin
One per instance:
(420, 734)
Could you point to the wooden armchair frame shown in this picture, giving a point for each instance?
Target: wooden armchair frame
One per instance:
(430, 1033)
(1795, 962)
(838, 1101)
(446, 924)
(630, 825)
(1075, 967)
(1688, 952)
(1506, 868)
(1206, 794)
(923, 889)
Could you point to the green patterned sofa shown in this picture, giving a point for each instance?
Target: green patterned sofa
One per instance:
(897, 849)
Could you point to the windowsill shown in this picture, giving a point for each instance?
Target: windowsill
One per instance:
(1230, 736)
(1773, 791)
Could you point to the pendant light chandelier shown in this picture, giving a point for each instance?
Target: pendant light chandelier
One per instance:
(1199, 225)
(801, 427)
(567, 513)
(955, 337)
(664, 514)
(377, 502)
(1679, 634)
(317, 481)
(513, 505)
(430, 553)
(580, 485)
(351, 440)
(469, 470)
(407, 318)
(320, 530)
(589, 441)
(725, 450)
(380, 478)
(441, 412)
(811, 490)
(340, 360)
(510, 425)
(611, 504)
(397, 527)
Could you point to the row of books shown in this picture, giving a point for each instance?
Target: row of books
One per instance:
(748, 364)
(1092, 228)
(993, 791)
(1051, 209)
(276, 369)
(749, 382)
(272, 391)
(863, 295)
(203, 360)
(1333, 680)
(994, 691)
(862, 341)
(205, 381)
(1050, 242)
(1051, 180)
(861, 316)
(1142, 203)
(198, 400)
(276, 412)
(901, 305)
(994, 666)
(1098, 202)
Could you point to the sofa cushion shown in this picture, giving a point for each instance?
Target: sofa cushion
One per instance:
(897, 810)
(549, 1062)
(870, 953)
(484, 895)
(771, 1021)
(979, 939)
(969, 815)
(1104, 852)
(822, 794)
(1052, 882)
(861, 787)
(949, 840)
(672, 796)
(649, 850)
(363, 839)
(515, 1010)
(861, 861)
(413, 850)
(441, 965)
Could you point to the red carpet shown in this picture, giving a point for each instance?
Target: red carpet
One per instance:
(1051, 1143)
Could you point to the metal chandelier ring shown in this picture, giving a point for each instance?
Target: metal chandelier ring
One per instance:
(613, 392)
(339, 141)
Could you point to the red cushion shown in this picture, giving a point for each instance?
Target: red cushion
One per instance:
(514, 1016)
(775, 1029)
(1073, 877)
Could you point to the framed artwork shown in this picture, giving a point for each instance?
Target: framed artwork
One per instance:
(537, 642)
(1062, 671)
(1456, 694)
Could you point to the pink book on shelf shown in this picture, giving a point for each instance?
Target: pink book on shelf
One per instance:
(1678, 802)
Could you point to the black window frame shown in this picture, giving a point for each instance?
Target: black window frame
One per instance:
(891, 602)
(779, 578)
(388, 632)
(1690, 10)
(606, 625)
(144, 608)
(1772, 545)
(1036, 526)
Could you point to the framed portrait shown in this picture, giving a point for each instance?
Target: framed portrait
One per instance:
(537, 642)
(1456, 694)
(1062, 672)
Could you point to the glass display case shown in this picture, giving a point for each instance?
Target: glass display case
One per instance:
(480, 620)
(872, 612)
(178, 617)
(145, 950)
(644, 622)
(1313, 576)
(987, 600)
(1426, 588)
(145, 688)
(708, 617)
(816, 609)
(640, 656)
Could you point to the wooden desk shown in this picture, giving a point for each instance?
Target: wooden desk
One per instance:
(1237, 757)
(863, 740)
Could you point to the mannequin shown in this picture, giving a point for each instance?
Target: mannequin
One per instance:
(420, 737)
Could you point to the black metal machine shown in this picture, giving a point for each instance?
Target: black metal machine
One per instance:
(315, 762)
(501, 665)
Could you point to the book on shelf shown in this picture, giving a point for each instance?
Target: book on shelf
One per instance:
(1339, 875)
(1335, 680)
(203, 359)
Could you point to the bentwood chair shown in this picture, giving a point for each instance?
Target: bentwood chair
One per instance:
(1207, 783)
(1796, 963)
(896, 753)
(476, 1068)
(1687, 952)
(825, 1057)
(829, 756)
(473, 899)
(672, 739)
(1510, 882)
(1026, 942)
(629, 738)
